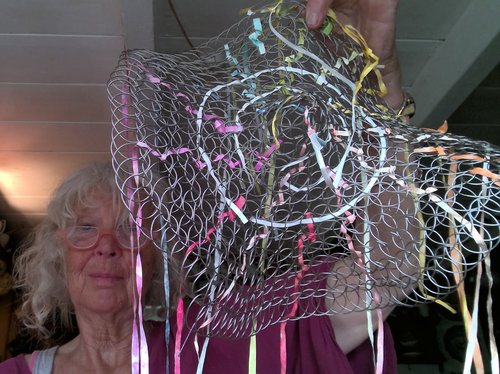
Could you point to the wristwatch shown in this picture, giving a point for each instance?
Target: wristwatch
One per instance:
(408, 106)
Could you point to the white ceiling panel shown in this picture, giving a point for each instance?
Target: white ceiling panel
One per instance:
(47, 103)
(41, 170)
(61, 59)
(86, 17)
(55, 137)
(31, 206)
(28, 179)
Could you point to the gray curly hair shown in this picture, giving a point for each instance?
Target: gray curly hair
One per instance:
(39, 269)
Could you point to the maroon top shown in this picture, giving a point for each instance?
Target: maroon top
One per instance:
(311, 349)
(16, 365)
(310, 342)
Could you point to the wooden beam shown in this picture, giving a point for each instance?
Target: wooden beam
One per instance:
(470, 51)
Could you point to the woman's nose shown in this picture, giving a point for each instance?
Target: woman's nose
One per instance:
(107, 246)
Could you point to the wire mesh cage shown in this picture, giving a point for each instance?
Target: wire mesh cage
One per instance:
(282, 187)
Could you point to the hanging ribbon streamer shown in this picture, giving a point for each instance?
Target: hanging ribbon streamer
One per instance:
(178, 335)
(166, 284)
(139, 347)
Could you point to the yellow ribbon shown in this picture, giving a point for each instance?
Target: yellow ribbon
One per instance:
(372, 58)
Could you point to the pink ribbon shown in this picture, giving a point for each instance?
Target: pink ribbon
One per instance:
(178, 336)
(230, 215)
(311, 237)
(269, 151)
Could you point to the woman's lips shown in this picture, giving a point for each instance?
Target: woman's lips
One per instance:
(106, 278)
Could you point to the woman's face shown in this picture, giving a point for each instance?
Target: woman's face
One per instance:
(102, 278)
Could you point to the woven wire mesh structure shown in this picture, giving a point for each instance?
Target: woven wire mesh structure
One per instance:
(283, 188)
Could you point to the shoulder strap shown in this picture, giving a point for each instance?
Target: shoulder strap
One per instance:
(33, 357)
(44, 361)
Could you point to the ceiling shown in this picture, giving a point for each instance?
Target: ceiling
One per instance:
(56, 56)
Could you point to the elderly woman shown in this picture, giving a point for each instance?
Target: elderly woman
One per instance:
(82, 263)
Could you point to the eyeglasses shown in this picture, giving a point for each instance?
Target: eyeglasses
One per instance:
(86, 237)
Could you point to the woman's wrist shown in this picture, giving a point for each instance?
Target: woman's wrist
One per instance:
(391, 75)
(396, 98)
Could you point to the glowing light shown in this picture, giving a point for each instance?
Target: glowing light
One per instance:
(6, 181)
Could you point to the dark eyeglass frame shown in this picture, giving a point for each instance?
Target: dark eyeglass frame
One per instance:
(83, 237)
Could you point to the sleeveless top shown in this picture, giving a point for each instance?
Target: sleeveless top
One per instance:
(41, 362)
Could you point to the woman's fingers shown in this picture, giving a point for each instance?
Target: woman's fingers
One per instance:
(315, 12)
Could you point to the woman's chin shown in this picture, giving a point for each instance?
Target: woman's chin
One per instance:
(106, 300)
